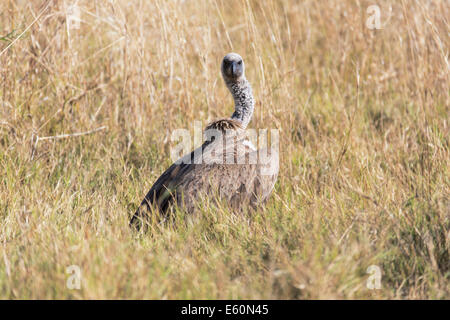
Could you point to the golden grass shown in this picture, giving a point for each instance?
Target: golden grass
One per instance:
(364, 177)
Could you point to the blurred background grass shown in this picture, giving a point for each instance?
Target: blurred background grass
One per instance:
(364, 177)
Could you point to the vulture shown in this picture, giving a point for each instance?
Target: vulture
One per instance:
(226, 166)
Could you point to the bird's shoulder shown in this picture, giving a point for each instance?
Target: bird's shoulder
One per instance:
(225, 124)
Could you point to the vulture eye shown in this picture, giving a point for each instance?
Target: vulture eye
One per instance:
(240, 62)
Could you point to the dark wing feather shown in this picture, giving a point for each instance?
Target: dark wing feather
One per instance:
(239, 183)
(162, 193)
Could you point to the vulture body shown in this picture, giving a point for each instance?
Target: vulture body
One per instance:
(226, 166)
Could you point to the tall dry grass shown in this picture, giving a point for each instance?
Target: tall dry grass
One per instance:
(364, 176)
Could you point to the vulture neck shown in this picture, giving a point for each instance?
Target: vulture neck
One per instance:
(243, 101)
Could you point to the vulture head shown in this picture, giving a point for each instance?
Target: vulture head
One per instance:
(233, 67)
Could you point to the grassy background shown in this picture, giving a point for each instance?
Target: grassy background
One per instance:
(364, 176)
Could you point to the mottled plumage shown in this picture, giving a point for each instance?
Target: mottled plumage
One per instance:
(225, 124)
(229, 167)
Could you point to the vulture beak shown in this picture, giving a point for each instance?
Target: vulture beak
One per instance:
(234, 68)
